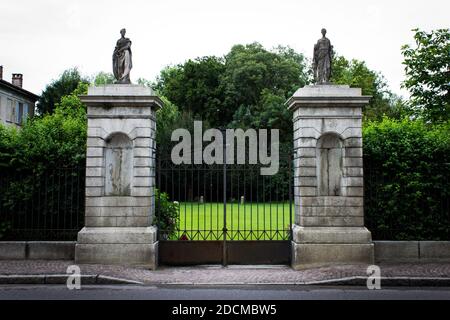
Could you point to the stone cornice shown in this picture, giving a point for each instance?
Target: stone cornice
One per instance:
(327, 101)
(109, 101)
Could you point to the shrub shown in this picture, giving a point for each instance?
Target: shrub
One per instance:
(42, 171)
(4, 227)
(47, 142)
(167, 215)
(407, 170)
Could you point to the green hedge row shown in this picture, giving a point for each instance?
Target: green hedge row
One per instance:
(407, 185)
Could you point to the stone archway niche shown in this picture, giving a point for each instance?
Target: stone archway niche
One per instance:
(118, 165)
(329, 153)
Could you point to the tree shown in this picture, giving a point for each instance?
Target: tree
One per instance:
(271, 113)
(194, 87)
(427, 67)
(102, 78)
(257, 83)
(51, 141)
(166, 120)
(251, 68)
(63, 86)
(219, 89)
(356, 74)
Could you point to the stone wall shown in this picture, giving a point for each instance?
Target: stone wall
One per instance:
(385, 251)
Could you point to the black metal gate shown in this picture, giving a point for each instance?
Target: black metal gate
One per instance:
(226, 214)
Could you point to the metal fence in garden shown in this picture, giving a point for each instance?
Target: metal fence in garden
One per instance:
(42, 206)
(232, 200)
(50, 205)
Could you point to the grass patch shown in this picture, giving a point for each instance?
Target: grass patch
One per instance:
(250, 221)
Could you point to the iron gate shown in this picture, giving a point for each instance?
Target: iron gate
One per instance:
(226, 214)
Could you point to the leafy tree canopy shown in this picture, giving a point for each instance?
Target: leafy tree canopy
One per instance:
(356, 74)
(195, 87)
(102, 78)
(251, 68)
(47, 142)
(54, 91)
(427, 67)
(214, 88)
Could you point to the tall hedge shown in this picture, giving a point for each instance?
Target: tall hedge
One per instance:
(407, 185)
(42, 174)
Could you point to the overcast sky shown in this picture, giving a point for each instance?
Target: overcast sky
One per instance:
(42, 38)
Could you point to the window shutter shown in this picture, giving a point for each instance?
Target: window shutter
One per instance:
(11, 111)
(25, 112)
(17, 113)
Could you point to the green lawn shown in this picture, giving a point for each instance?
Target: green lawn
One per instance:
(244, 221)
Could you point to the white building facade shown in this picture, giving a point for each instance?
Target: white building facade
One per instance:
(16, 103)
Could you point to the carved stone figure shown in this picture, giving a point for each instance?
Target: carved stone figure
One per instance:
(323, 53)
(122, 62)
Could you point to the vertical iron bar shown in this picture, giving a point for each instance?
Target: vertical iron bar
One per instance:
(174, 198)
(239, 202)
(185, 202)
(252, 226)
(71, 199)
(264, 206)
(211, 227)
(290, 196)
(203, 204)
(243, 237)
(200, 233)
(158, 200)
(77, 215)
(224, 256)
(217, 202)
(270, 212)
(231, 202)
(64, 218)
(191, 199)
(179, 199)
(257, 206)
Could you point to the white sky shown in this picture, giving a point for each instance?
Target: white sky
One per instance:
(43, 38)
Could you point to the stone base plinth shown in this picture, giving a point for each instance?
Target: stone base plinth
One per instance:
(317, 246)
(313, 255)
(137, 246)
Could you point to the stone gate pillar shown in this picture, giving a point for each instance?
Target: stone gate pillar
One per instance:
(328, 179)
(120, 177)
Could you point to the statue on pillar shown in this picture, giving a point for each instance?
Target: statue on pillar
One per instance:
(323, 54)
(122, 59)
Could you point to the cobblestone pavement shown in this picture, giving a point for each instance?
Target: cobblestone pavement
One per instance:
(228, 275)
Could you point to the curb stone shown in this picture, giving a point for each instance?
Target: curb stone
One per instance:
(62, 279)
(112, 280)
(349, 281)
(107, 280)
(387, 282)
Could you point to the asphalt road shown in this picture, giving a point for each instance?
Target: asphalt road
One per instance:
(272, 292)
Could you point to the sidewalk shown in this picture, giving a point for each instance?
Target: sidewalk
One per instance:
(403, 274)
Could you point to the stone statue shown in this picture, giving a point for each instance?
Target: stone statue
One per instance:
(323, 53)
(122, 59)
